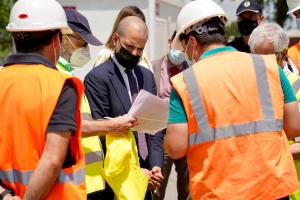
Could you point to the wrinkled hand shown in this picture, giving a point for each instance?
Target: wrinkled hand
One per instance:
(155, 177)
(9, 197)
(121, 125)
(150, 184)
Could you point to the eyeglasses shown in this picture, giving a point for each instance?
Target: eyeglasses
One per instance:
(80, 42)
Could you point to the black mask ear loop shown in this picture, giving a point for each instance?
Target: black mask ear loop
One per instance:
(288, 64)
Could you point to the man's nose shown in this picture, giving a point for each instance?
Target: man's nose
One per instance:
(136, 52)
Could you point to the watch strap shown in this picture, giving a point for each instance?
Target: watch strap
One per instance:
(5, 192)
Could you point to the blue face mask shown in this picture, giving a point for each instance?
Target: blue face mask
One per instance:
(176, 57)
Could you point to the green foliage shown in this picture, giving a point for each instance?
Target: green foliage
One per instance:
(5, 38)
(232, 31)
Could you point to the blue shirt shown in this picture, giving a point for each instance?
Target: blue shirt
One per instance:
(177, 112)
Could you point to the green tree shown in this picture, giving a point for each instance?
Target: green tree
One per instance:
(232, 31)
(277, 14)
(5, 38)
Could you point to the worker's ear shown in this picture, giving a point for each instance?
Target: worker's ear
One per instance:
(57, 40)
(57, 44)
(193, 41)
(261, 19)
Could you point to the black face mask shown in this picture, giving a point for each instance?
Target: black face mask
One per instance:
(246, 26)
(126, 59)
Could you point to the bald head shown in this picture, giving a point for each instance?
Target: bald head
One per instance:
(132, 34)
(132, 24)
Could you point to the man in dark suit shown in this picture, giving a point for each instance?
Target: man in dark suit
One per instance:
(112, 87)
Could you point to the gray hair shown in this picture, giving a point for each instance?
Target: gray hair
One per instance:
(270, 32)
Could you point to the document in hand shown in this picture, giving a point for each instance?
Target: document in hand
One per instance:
(151, 112)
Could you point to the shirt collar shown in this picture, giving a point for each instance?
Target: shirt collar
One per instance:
(29, 58)
(217, 50)
(65, 64)
(121, 68)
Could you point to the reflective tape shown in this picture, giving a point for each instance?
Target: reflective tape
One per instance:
(207, 134)
(236, 130)
(92, 157)
(263, 86)
(77, 177)
(13, 176)
(16, 176)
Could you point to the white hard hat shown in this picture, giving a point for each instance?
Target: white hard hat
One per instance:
(293, 6)
(36, 15)
(195, 12)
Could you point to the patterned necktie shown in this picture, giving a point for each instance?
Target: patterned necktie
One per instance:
(142, 144)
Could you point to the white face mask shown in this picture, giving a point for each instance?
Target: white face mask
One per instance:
(176, 57)
(80, 57)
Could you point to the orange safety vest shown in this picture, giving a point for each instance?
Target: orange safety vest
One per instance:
(237, 150)
(28, 97)
(294, 55)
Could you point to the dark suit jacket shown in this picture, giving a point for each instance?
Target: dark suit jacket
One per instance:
(108, 97)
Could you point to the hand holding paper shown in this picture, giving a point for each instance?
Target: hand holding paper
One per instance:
(150, 111)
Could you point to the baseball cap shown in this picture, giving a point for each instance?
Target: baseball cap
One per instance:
(79, 24)
(249, 5)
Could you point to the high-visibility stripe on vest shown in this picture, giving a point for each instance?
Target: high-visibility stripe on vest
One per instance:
(93, 154)
(28, 97)
(91, 145)
(13, 176)
(236, 146)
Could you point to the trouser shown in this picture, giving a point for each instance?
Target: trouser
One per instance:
(182, 178)
(106, 194)
(284, 198)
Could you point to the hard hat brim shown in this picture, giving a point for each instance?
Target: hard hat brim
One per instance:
(11, 28)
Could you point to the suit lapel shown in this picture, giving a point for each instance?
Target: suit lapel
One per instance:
(119, 86)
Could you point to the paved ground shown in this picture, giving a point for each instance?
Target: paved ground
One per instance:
(171, 192)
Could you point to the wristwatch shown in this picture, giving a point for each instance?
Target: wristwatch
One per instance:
(5, 192)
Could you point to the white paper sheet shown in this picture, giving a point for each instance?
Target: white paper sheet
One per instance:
(151, 112)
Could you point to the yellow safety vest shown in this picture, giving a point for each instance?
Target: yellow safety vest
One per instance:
(93, 154)
(92, 148)
(122, 169)
(294, 80)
